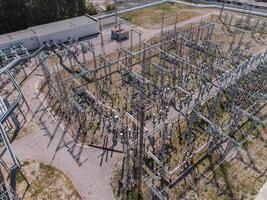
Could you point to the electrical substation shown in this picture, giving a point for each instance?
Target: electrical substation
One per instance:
(177, 105)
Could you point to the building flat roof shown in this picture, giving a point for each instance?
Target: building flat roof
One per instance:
(45, 29)
(62, 25)
(14, 36)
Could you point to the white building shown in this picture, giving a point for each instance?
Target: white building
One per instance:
(60, 31)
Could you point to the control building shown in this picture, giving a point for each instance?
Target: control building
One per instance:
(61, 31)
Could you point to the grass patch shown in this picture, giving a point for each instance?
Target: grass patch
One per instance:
(19, 178)
(110, 7)
(151, 17)
(25, 162)
(221, 169)
(46, 182)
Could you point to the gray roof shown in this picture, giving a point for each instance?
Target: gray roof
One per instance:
(45, 29)
(16, 35)
(62, 25)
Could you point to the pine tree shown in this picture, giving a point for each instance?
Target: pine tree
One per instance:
(81, 7)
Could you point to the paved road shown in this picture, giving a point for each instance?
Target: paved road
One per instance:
(262, 195)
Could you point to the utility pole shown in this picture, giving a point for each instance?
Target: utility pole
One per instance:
(222, 9)
(141, 132)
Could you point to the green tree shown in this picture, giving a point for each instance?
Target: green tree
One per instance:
(13, 15)
(81, 7)
(91, 9)
(110, 7)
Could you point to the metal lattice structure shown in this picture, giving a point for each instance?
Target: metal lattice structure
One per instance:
(174, 103)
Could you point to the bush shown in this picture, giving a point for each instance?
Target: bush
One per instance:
(91, 9)
(110, 7)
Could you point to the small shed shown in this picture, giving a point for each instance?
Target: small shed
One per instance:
(119, 34)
